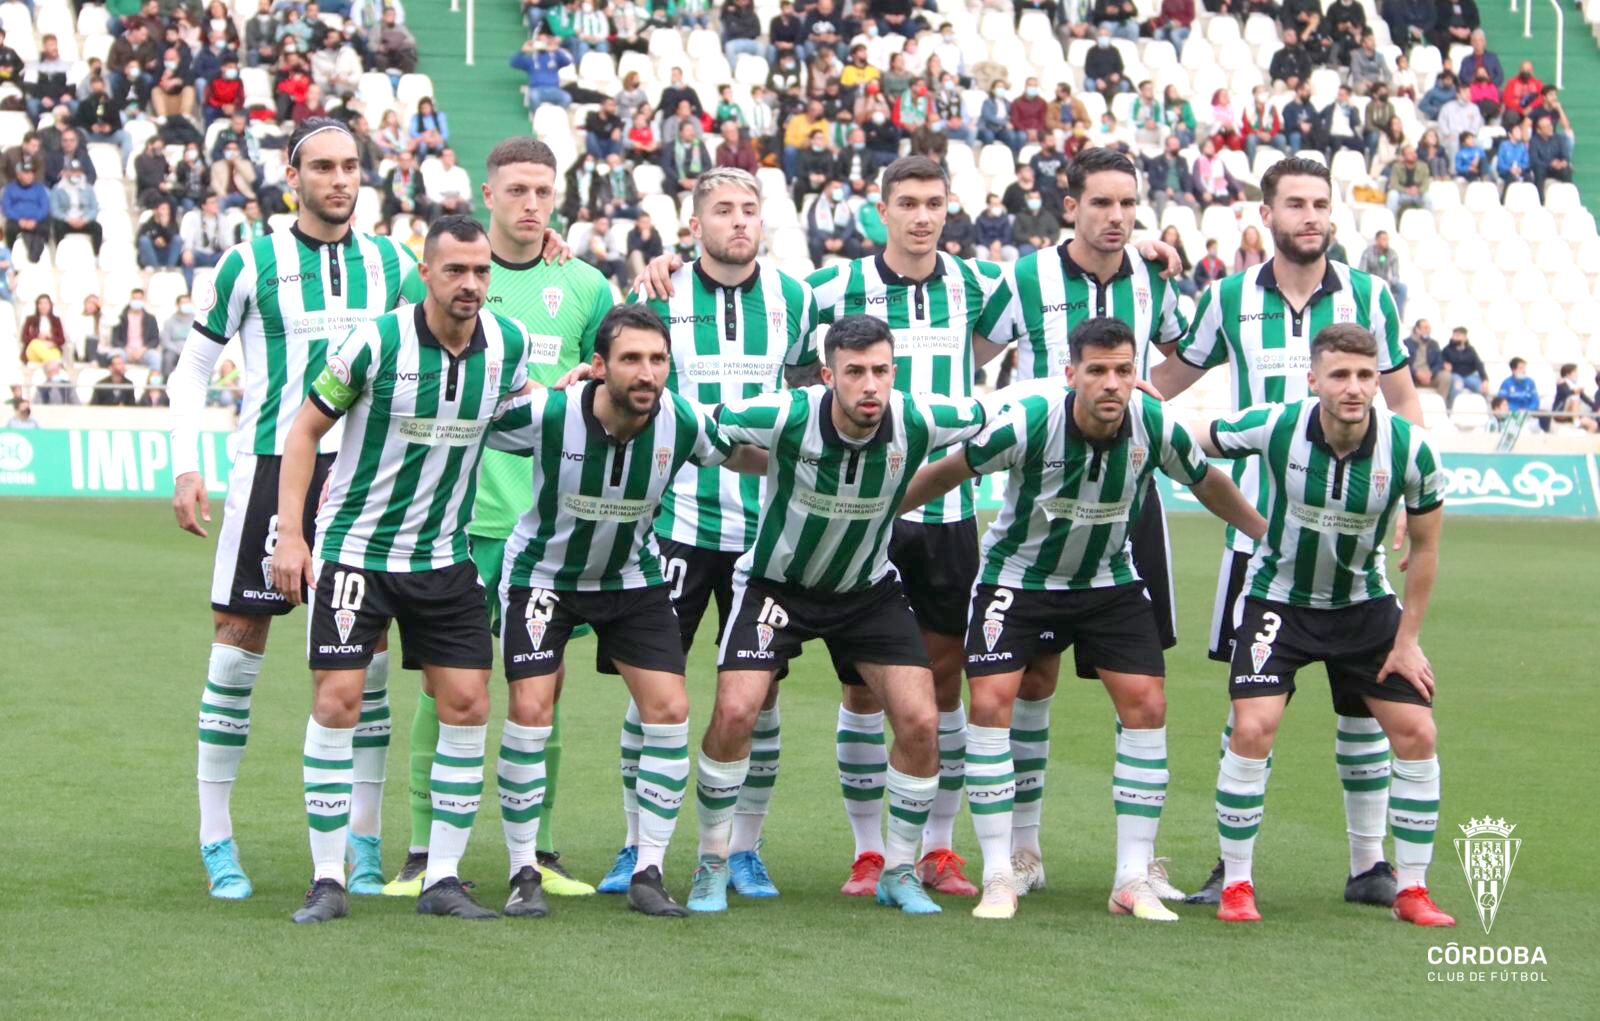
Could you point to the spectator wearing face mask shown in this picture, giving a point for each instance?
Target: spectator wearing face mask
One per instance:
(1028, 112)
(960, 234)
(175, 332)
(994, 231)
(74, 209)
(1519, 389)
(816, 166)
(1103, 70)
(994, 120)
(1036, 226)
(136, 336)
(224, 94)
(831, 225)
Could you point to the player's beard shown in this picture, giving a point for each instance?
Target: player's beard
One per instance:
(860, 421)
(1288, 246)
(723, 254)
(625, 399)
(315, 207)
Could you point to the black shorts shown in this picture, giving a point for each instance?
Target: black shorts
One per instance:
(440, 613)
(697, 576)
(1275, 640)
(1152, 558)
(770, 623)
(1230, 586)
(1109, 628)
(637, 626)
(241, 575)
(937, 566)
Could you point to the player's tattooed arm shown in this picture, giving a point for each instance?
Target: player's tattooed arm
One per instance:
(798, 376)
(1217, 493)
(291, 558)
(934, 480)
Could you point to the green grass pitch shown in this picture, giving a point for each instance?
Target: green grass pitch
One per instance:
(105, 913)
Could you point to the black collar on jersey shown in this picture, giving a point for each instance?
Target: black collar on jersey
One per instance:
(1070, 267)
(1363, 450)
(709, 284)
(1123, 434)
(425, 337)
(889, 276)
(831, 434)
(591, 422)
(517, 266)
(1330, 280)
(312, 243)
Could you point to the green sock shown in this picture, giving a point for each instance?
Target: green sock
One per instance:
(552, 771)
(424, 737)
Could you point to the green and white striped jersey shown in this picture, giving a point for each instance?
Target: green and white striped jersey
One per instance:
(400, 492)
(1328, 517)
(1070, 499)
(933, 322)
(1244, 320)
(1051, 293)
(831, 503)
(728, 343)
(288, 297)
(589, 527)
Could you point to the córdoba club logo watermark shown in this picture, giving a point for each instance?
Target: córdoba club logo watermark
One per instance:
(1487, 851)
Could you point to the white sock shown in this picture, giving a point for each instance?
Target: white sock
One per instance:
(750, 811)
(224, 728)
(910, 799)
(663, 778)
(456, 787)
(1241, 802)
(863, 770)
(991, 791)
(939, 834)
(1414, 816)
(1361, 752)
(1138, 793)
(370, 750)
(327, 772)
(716, 792)
(1030, 753)
(520, 776)
(632, 740)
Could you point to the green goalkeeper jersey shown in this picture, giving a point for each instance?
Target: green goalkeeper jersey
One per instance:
(561, 308)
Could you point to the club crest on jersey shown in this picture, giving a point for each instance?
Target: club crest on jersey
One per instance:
(1380, 485)
(1141, 298)
(1343, 313)
(763, 636)
(1258, 655)
(897, 461)
(775, 320)
(344, 620)
(991, 632)
(552, 300)
(1136, 456)
(494, 377)
(663, 460)
(958, 299)
(536, 630)
(266, 571)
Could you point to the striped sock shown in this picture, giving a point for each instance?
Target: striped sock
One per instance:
(717, 786)
(224, 729)
(632, 741)
(1030, 752)
(939, 834)
(424, 736)
(1361, 752)
(521, 778)
(663, 777)
(371, 750)
(910, 799)
(552, 774)
(1241, 801)
(991, 794)
(328, 769)
(1138, 793)
(1414, 816)
(456, 788)
(863, 766)
(751, 810)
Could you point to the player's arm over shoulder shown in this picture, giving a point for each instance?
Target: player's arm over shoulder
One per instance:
(518, 421)
(758, 420)
(1241, 433)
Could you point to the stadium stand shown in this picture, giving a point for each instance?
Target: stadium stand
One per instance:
(635, 96)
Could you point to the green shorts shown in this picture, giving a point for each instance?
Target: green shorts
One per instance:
(489, 556)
